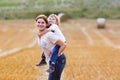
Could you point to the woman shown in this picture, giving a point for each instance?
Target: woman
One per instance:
(54, 23)
(47, 42)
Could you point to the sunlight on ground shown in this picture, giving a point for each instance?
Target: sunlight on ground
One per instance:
(92, 54)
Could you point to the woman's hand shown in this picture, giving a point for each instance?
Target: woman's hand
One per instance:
(62, 46)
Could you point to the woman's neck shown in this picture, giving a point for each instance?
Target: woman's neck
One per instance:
(42, 30)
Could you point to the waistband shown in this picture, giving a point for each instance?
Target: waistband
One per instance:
(61, 59)
(62, 56)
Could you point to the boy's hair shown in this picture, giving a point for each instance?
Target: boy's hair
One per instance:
(57, 18)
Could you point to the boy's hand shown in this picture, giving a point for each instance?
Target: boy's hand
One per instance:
(47, 30)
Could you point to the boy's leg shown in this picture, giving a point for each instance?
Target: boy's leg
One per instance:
(43, 56)
(53, 59)
(55, 54)
(43, 60)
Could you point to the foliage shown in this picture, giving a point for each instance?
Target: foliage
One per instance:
(28, 9)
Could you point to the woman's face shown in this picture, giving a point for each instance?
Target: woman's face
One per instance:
(52, 20)
(41, 24)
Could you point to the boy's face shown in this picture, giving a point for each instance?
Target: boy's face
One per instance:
(52, 20)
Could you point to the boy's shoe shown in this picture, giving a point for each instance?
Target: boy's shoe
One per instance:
(51, 68)
(42, 62)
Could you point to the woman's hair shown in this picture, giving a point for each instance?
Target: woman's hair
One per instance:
(56, 17)
(42, 16)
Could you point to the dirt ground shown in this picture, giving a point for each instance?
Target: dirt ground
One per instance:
(92, 53)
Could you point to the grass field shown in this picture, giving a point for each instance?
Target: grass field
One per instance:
(92, 54)
(27, 9)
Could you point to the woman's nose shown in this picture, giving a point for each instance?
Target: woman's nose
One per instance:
(40, 24)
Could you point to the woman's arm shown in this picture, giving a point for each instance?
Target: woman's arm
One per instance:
(62, 46)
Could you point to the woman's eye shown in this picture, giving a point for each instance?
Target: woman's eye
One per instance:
(43, 22)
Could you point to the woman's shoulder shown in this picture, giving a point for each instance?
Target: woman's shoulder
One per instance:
(54, 26)
(49, 33)
(51, 36)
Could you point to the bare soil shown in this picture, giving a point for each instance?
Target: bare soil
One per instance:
(92, 53)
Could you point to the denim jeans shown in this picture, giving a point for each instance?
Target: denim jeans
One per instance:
(59, 66)
(43, 56)
(55, 54)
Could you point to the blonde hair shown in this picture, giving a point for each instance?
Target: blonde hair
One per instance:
(56, 17)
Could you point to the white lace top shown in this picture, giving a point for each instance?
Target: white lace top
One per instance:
(57, 32)
(47, 43)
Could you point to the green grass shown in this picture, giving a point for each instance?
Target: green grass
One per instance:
(9, 4)
(29, 9)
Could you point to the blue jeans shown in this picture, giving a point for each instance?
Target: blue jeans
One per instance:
(55, 54)
(59, 66)
(43, 56)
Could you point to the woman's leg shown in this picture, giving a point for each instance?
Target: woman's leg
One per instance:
(59, 66)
